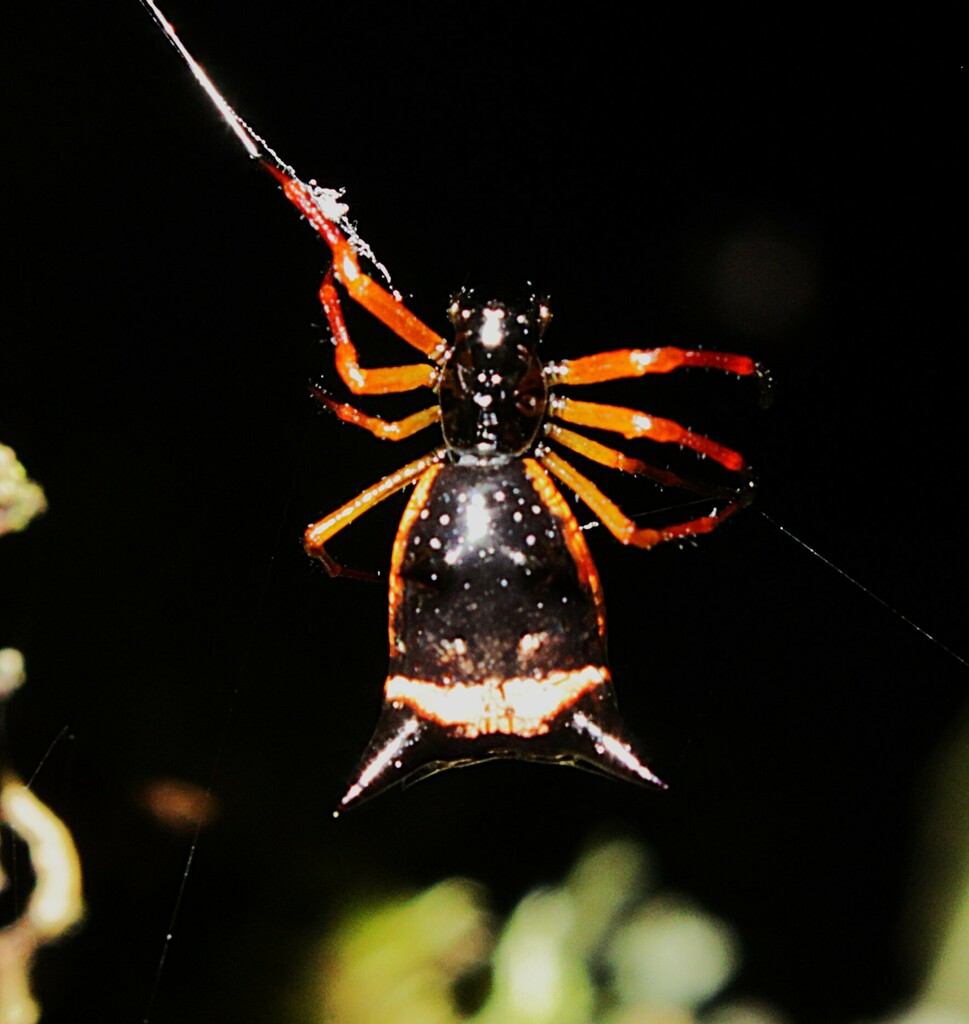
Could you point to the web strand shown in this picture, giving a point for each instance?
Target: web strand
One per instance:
(865, 590)
(328, 200)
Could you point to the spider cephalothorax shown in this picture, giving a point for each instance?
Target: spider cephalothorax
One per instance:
(493, 394)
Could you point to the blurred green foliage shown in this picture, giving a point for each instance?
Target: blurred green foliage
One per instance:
(602, 947)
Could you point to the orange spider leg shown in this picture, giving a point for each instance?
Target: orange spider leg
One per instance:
(594, 450)
(377, 381)
(633, 362)
(363, 289)
(621, 526)
(618, 460)
(632, 423)
(317, 534)
(395, 430)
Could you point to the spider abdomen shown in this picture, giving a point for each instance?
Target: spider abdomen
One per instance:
(497, 633)
(485, 583)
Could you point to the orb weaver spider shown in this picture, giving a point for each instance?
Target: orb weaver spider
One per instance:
(497, 625)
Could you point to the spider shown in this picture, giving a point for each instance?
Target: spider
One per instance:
(497, 627)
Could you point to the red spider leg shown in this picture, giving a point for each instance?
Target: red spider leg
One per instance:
(619, 460)
(322, 209)
(594, 450)
(620, 525)
(317, 534)
(394, 430)
(375, 381)
(632, 362)
(631, 423)
(385, 306)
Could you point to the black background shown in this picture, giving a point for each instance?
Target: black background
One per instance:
(787, 189)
